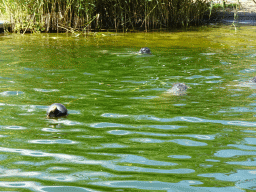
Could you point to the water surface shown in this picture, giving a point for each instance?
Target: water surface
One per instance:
(123, 132)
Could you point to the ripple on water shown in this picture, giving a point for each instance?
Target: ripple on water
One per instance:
(55, 176)
(59, 177)
(212, 160)
(34, 186)
(50, 130)
(57, 141)
(241, 109)
(205, 165)
(147, 97)
(3, 157)
(24, 184)
(247, 71)
(180, 156)
(186, 58)
(216, 81)
(88, 73)
(233, 152)
(186, 119)
(123, 132)
(182, 186)
(252, 95)
(187, 142)
(106, 125)
(142, 160)
(119, 132)
(195, 77)
(31, 108)
(202, 137)
(11, 93)
(112, 145)
(247, 163)
(168, 127)
(241, 123)
(207, 54)
(58, 156)
(251, 55)
(148, 140)
(247, 184)
(66, 188)
(46, 90)
(250, 141)
(181, 118)
(192, 119)
(15, 127)
(18, 172)
(147, 170)
(113, 115)
(245, 147)
(178, 105)
(90, 136)
(65, 122)
(238, 176)
(154, 134)
(212, 77)
(58, 169)
(74, 112)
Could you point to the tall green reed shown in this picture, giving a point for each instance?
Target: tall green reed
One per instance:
(95, 15)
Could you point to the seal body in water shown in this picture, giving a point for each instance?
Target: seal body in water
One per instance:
(57, 110)
(145, 50)
(178, 89)
(253, 80)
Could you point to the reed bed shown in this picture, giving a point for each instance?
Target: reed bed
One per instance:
(99, 15)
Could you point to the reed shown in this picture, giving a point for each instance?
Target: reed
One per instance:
(96, 15)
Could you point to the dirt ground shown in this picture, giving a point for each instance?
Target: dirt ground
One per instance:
(248, 6)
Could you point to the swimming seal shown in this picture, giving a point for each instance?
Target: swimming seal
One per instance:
(57, 110)
(145, 50)
(178, 89)
(253, 80)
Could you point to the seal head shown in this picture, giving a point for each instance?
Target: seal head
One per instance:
(145, 50)
(178, 89)
(57, 110)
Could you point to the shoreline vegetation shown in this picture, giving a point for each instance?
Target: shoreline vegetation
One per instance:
(84, 16)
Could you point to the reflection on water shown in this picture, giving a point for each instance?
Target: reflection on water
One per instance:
(123, 132)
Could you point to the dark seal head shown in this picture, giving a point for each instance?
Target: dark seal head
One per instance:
(253, 80)
(56, 110)
(145, 50)
(178, 89)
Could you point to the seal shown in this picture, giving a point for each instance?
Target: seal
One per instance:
(178, 89)
(56, 110)
(145, 50)
(253, 80)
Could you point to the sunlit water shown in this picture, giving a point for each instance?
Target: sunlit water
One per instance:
(124, 132)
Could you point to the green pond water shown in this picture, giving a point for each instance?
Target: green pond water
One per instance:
(123, 131)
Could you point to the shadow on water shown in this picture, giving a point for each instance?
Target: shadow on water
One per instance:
(124, 131)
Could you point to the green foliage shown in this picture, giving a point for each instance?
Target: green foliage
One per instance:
(224, 6)
(72, 15)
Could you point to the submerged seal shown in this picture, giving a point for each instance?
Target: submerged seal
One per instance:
(145, 50)
(56, 110)
(178, 89)
(253, 80)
